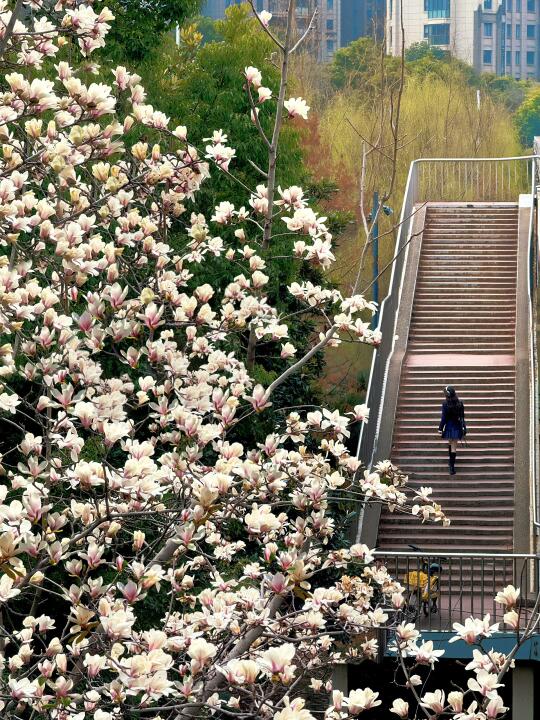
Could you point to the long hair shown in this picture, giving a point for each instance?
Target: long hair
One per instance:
(453, 403)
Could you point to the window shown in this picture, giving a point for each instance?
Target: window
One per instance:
(330, 47)
(488, 29)
(329, 4)
(437, 34)
(437, 8)
(509, 31)
(487, 57)
(517, 57)
(531, 31)
(531, 6)
(508, 61)
(518, 31)
(530, 57)
(329, 24)
(487, 4)
(518, 5)
(508, 5)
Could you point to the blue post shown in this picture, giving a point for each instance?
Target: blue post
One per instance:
(375, 246)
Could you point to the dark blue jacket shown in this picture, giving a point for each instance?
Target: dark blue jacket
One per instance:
(452, 425)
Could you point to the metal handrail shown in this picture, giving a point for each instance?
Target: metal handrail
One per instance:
(444, 554)
(475, 159)
(534, 460)
(387, 324)
(376, 389)
(463, 585)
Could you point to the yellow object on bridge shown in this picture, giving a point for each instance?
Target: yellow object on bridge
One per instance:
(418, 581)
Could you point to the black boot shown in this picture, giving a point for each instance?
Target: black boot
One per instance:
(450, 459)
(453, 463)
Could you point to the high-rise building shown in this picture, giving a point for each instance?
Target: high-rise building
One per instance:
(323, 40)
(361, 18)
(215, 9)
(496, 36)
(338, 22)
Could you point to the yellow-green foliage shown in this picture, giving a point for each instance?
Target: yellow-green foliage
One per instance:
(527, 117)
(438, 119)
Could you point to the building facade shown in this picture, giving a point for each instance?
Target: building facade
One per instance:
(360, 18)
(495, 36)
(215, 9)
(338, 22)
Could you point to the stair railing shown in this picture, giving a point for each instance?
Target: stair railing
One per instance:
(474, 179)
(466, 584)
(453, 180)
(534, 426)
(379, 367)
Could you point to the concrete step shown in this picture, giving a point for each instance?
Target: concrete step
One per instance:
(464, 303)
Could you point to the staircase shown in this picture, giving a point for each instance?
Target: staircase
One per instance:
(462, 333)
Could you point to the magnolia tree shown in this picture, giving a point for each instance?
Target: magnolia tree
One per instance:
(123, 382)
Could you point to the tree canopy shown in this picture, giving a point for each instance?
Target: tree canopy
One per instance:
(527, 117)
(139, 25)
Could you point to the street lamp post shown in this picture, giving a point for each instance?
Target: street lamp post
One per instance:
(375, 249)
(374, 218)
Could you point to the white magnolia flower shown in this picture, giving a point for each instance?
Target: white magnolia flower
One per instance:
(276, 659)
(253, 76)
(400, 708)
(265, 17)
(7, 591)
(360, 700)
(509, 596)
(485, 683)
(9, 402)
(297, 107)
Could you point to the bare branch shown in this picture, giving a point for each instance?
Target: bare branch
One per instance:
(306, 33)
(265, 27)
(10, 26)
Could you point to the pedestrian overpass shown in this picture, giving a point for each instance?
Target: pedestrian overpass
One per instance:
(461, 311)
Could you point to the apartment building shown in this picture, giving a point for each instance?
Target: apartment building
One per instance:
(339, 22)
(496, 36)
(323, 40)
(360, 18)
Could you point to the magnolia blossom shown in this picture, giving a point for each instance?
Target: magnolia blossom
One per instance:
(265, 17)
(264, 94)
(9, 402)
(7, 591)
(434, 701)
(360, 700)
(485, 683)
(400, 708)
(277, 659)
(455, 700)
(425, 654)
(297, 107)
(495, 707)
(473, 629)
(294, 710)
(253, 76)
(201, 651)
(509, 596)
(361, 413)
